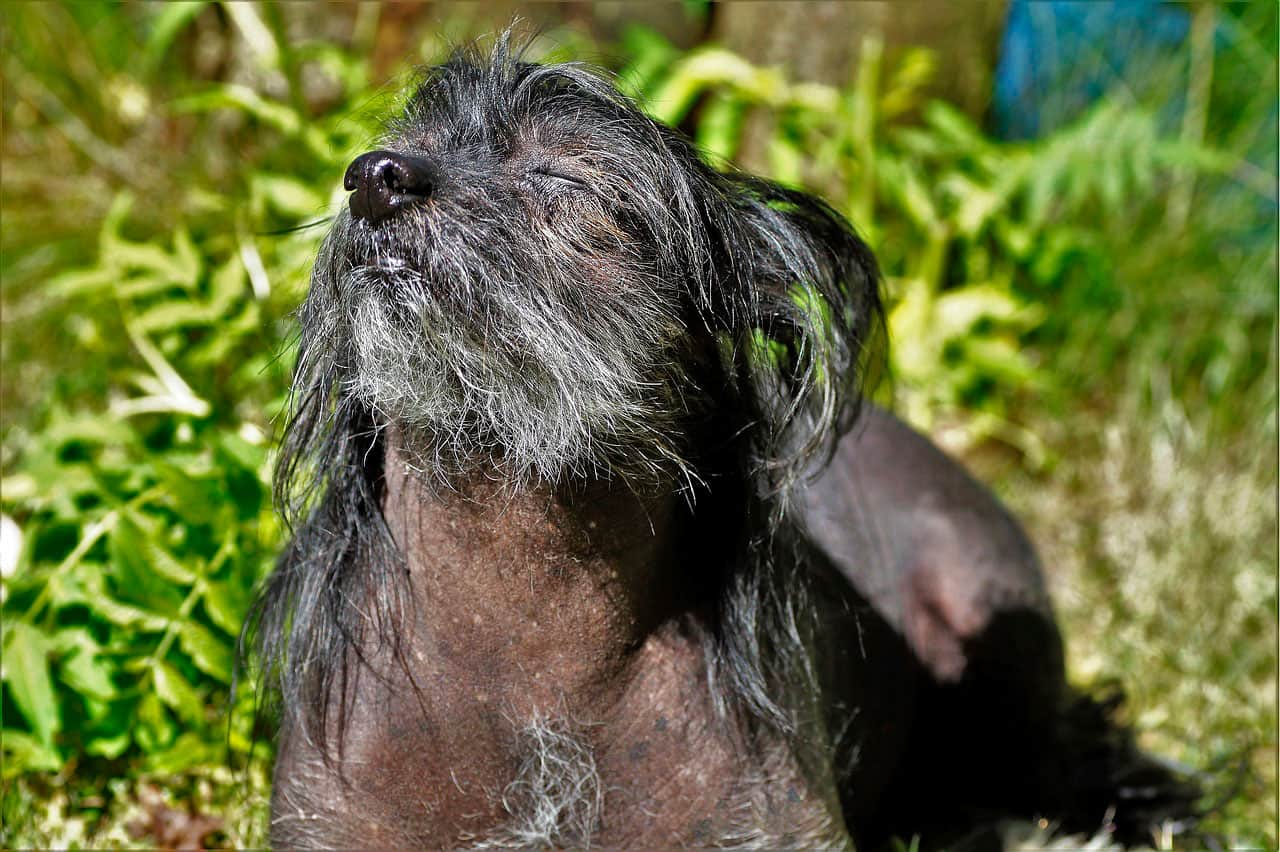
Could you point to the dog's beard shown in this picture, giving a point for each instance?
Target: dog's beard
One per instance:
(512, 376)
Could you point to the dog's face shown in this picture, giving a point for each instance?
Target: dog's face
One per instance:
(533, 276)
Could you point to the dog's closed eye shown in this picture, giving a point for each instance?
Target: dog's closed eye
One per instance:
(558, 180)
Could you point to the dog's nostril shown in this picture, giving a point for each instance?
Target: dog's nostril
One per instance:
(381, 182)
(394, 178)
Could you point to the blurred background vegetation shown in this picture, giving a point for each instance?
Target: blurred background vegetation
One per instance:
(1075, 208)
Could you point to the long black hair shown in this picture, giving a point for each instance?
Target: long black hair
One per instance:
(671, 323)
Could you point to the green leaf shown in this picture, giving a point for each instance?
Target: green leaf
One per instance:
(956, 311)
(288, 196)
(1003, 361)
(109, 747)
(156, 556)
(138, 286)
(57, 482)
(82, 668)
(171, 315)
(240, 452)
(956, 127)
(976, 204)
(155, 729)
(25, 753)
(233, 329)
(101, 601)
(82, 283)
(901, 180)
(227, 285)
(651, 57)
(186, 259)
(211, 654)
(180, 268)
(174, 691)
(18, 488)
(197, 498)
(167, 22)
(136, 580)
(188, 750)
(26, 671)
(244, 99)
(721, 126)
(227, 601)
(786, 161)
(84, 428)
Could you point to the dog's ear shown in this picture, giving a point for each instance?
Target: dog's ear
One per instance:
(800, 305)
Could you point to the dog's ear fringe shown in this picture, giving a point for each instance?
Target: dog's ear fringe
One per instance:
(301, 627)
(806, 319)
(794, 295)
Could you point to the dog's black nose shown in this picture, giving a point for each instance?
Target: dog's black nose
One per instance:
(382, 182)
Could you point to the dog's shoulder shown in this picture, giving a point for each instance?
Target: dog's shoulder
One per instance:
(932, 549)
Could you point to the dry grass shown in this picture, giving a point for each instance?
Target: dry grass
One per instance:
(1161, 542)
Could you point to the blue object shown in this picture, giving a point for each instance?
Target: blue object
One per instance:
(1058, 57)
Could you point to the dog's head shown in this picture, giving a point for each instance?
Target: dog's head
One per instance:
(531, 275)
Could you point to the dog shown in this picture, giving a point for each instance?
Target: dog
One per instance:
(594, 541)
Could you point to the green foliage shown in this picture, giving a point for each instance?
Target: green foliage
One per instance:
(139, 486)
(977, 238)
(146, 522)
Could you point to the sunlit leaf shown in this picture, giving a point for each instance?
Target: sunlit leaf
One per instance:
(167, 23)
(109, 747)
(154, 730)
(721, 126)
(26, 672)
(197, 499)
(81, 667)
(104, 603)
(226, 286)
(25, 753)
(786, 161)
(155, 555)
(136, 580)
(289, 196)
(167, 316)
(189, 749)
(227, 602)
(211, 654)
(174, 691)
(82, 283)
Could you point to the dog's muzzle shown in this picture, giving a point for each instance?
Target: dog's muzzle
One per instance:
(383, 182)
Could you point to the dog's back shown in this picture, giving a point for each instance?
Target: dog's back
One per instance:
(931, 547)
(995, 731)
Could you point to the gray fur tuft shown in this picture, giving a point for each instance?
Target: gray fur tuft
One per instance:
(556, 800)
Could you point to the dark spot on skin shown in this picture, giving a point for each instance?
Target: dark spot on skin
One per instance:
(660, 724)
(702, 831)
(638, 751)
(792, 795)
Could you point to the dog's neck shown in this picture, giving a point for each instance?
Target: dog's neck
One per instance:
(543, 593)
(540, 612)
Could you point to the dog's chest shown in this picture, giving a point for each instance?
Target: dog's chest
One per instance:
(441, 769)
